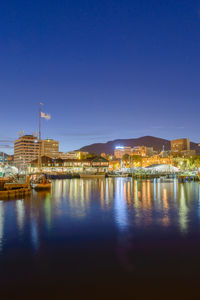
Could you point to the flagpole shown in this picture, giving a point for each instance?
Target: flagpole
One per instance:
(40, 144)
(47, 117)
(40, 122)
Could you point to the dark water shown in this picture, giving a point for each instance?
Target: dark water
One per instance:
(106, 238)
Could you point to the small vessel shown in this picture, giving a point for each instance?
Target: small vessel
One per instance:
(112, 175)
(92, 175)
(40, 183)
(118, 174)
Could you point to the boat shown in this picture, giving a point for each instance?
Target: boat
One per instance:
(118, 174)
(40, 183)
(92, 175)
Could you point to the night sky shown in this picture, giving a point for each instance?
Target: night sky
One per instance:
(104, 69)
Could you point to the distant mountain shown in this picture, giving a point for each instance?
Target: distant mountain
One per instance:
(148, 141)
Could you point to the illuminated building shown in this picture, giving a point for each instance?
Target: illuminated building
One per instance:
(179, 145)
(138, 150)
(114, 165)
(3, 159)
(142, 151)
(182, 146)
(49, 165)
(103, 154)
(26, 149)
(188, 153)
(120, 151)
(49, 147)
(72, 154)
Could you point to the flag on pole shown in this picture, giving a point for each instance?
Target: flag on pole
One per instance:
(45, 116)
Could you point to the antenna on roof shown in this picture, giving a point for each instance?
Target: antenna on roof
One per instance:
(20, 133)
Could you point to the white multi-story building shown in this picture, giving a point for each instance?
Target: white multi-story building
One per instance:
(26, 149)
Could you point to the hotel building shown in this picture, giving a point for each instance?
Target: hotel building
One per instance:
(179, 145)
(182, 146)
(26, 149)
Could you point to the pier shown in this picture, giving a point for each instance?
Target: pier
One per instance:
(13, 189)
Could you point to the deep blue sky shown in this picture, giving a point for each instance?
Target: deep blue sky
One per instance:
(105, 69)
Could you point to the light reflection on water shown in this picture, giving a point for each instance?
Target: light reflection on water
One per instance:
(1, 224)
(128, 205)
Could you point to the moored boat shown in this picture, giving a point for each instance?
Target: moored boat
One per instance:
(40, 183)
(92, 175)
(118, 174)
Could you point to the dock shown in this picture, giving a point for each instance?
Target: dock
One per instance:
(188, 178)
(13, 189)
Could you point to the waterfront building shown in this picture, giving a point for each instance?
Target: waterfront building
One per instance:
(6, 159)
(3, 159)
(50, 147)
(26, 149)
(180, 145)
(50, 165)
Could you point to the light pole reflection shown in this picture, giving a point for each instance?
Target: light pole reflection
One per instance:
(1, 224)
(47, 210)
(121, 214)
(183, 210)
(20, 210)
(34, 234)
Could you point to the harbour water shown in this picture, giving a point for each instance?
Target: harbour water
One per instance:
(113, 236)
